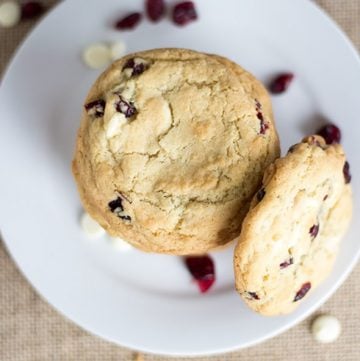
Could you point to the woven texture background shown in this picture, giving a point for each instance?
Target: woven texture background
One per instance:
(30, 330)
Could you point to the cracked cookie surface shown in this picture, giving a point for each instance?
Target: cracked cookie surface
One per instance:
(290, 237)
(171, 148)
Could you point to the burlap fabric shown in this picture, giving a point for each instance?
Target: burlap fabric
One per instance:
(30, 330)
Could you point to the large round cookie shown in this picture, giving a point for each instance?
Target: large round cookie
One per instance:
(290, 237)
(172, 146)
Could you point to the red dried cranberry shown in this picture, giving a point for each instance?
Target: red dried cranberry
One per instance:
(204, 285)
(202, 269)
(184, 12)
(253, 295)
(287, 263)
(96, 108)
(155, 9)
(128, 22)
(260, 194)
(137, 68)
(260, 116)
(314, 230)
(31, 9)
(346, 171)
(124, 107)
(263, 126)
(281, 83)
(302, 292)
(331, 133)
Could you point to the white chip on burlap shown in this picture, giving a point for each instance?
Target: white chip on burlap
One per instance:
(10, 14)
(326, 328)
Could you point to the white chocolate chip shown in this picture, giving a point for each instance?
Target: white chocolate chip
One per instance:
(128, 72)
(129, 91)
(138, 61)
(97, 56)
(326, 328)
(117, 50)
(120, 244)
(115, 124)
(9, 14)
(91, 227)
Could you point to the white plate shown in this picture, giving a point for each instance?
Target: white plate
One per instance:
(144, 301)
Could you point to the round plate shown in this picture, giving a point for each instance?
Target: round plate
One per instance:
(146, 301)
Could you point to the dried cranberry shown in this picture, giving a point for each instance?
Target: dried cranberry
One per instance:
(124, 107)
(263, 126)
(258, 104)
(260, 116)
(287, 263)
(128, 22)
(116, 205)
(253, 295)
(281, 83)
(184, 12)
(31, 9)
(137, 67)
(155, 9)
(202, 269)
(346, 171)
(125, 218)
(117, 208)
(96, 108)
(302, 292)
(260, 194)
(314, 230)
(331, 133)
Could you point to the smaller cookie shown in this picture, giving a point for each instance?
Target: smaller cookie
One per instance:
(290, 237)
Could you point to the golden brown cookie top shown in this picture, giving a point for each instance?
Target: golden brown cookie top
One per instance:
(290, 236)
(179, 140)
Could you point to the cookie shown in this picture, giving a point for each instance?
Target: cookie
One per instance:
(290, 237)
(172, 146)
